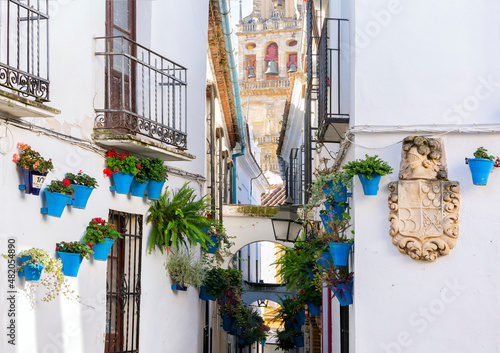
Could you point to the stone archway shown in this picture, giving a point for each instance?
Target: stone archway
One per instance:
(249, 224)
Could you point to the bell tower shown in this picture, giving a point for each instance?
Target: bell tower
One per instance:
(268, 43)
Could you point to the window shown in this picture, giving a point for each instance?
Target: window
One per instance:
(123, 285)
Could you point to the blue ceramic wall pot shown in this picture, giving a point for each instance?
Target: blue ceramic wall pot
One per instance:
(480, 169)
(81, 196)
(370, 186)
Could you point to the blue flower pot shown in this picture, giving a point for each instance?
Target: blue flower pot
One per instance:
(33, 181)
(137, 189)
(212, 249)
(227, 321)
(31, 272)
(299, 341)
(204, 295)
(334, 210)
(179, 286)
(343, 293)
(325, 260)
(340, 253)
(242, 342)
(301, 318)
(71, 263)
(101, 250)
(370, 187)
(311, 273)
(122, 182)
(263, 343)
(154, 189)
(81, 196)
(313, 308)
(340, 196)
(56, 202)
(235, 330)
(480, 169)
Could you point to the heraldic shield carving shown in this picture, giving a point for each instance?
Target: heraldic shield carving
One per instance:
(424, 210)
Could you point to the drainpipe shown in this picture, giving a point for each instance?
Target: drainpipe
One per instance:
(235, 189)
(235, 84)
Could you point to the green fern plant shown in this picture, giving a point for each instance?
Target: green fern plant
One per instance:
(179, 220)
(367, 167)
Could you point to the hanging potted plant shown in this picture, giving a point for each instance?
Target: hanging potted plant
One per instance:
(184, 270)
(229, 303)
(83, 185)
(58, 194)
(71, 255)
(157, 175)
(333, 211)
(218, 280)
(122, 167)
(33, 262)
(33, 167)
(340, 245)
(140, 181)
(481, 166)
(369, 171)
(179, 220)
(340, 282)
(100, 236)
(287, 339)
(311, 294)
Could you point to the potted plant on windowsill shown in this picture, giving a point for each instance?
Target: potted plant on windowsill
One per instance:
(100, 236)
(179, 220)
(71, 255)
(481, 166)
(83, 185)
(369, 171)
(33, 262)
(58, 194)
(33, 167)
(184, 270)
(122, 167)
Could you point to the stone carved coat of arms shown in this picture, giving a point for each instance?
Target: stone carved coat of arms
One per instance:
(423, 204)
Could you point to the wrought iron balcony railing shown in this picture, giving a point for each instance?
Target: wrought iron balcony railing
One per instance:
(145, 93)
(24, 48)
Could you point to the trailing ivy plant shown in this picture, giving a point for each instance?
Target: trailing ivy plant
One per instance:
(367, 167)
(53, 279)
(178, 219)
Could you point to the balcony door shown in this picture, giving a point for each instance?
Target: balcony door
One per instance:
(120, 68)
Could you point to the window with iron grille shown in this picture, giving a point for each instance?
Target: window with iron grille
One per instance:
(294, 176)
(123, 285)
(24, 48)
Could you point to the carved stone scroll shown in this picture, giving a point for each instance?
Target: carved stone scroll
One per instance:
(424, 212)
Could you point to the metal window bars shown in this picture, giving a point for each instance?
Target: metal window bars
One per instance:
(24, 48)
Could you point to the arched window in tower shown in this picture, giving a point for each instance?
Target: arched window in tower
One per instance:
(291, 65)
(250, 63)
(271, 61)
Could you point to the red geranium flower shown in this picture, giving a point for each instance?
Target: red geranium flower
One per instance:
(108, 172)
(66, 182)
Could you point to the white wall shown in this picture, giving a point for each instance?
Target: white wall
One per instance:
(426, 63)
(170, 321)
